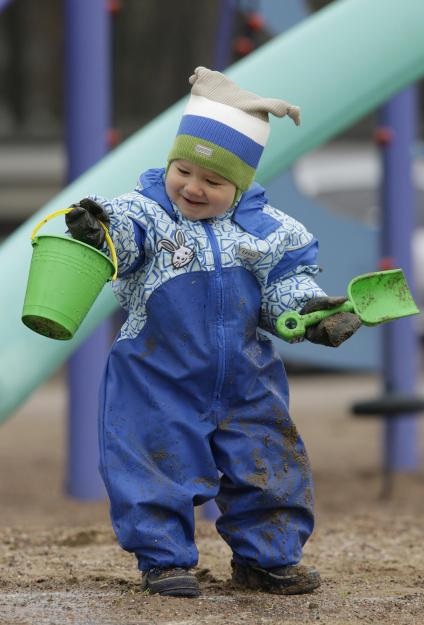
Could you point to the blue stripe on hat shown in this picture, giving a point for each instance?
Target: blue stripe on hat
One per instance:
(226, 137)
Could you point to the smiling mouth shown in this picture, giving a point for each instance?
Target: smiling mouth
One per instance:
(193, 203)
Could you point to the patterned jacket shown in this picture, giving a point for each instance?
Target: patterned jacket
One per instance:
(155, 244)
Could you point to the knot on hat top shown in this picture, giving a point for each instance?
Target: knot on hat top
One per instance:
(216, 86)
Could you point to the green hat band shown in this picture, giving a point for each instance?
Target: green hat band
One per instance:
(213, 157)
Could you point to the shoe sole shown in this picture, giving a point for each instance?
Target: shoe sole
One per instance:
(181, 592)
(174, 587)
(254, 580)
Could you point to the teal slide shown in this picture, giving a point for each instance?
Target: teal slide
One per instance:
(337, 65)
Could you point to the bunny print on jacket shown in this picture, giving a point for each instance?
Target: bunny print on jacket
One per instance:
(181, 255)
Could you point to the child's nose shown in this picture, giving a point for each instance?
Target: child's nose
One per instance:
(193, 187)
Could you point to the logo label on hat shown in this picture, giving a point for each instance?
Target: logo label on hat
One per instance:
(204, 150)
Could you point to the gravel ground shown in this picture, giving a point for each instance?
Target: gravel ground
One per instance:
(60, 564)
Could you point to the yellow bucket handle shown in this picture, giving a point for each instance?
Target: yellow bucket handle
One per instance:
(109, 241)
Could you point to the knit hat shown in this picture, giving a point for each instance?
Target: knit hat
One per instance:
(225, 128)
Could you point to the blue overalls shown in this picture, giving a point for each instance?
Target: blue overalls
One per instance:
(194, 401)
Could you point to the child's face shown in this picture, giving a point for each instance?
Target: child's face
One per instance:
(199, 193)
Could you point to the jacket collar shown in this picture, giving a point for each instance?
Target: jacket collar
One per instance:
(151, 184)
(248, 213)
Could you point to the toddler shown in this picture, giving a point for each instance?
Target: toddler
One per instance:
(194, 403)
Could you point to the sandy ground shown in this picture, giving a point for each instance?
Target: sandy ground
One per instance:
(60, 564)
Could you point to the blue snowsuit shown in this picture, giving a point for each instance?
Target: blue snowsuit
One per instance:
(194, 401)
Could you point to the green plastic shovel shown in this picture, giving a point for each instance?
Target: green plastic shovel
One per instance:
(375, 297)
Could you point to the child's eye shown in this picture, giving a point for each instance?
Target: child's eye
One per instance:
(183, 171)
(213, 183)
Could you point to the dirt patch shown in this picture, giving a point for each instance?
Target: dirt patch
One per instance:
(60, 564)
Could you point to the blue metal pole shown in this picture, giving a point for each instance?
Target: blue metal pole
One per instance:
(4, 3)
(224, 34)
(397, 121)
(87, 110)
(87, 83)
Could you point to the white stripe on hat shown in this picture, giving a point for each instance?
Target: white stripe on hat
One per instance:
(252, 127)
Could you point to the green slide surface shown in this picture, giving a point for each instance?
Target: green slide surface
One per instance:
(337, 65)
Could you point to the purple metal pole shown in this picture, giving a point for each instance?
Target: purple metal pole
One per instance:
(87, 109)
(224, 34)
(87, 83)
(4, 3)
(400, 343)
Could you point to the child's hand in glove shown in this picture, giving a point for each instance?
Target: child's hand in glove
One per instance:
(334, 330)
(83, 222)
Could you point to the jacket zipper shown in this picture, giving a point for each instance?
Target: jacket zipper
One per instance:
(219, 290)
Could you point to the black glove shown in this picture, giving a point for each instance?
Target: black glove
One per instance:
(334, 330)
(83, 222)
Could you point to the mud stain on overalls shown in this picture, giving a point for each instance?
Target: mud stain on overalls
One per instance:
(150, 344)
(267, 536)
(224, 424)
(260, 477)
(160, 455)
(208, 482)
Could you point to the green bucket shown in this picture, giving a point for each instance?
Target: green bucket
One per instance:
(65, 278)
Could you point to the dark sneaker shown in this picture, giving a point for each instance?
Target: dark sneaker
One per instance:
(170, 582)
(286, 580)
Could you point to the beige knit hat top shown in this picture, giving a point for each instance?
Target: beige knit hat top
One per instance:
(217, 87)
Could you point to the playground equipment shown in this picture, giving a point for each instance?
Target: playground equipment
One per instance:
(356, 80)
(374, 297)
(336, 84)
(397, 404)
(88, 69)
